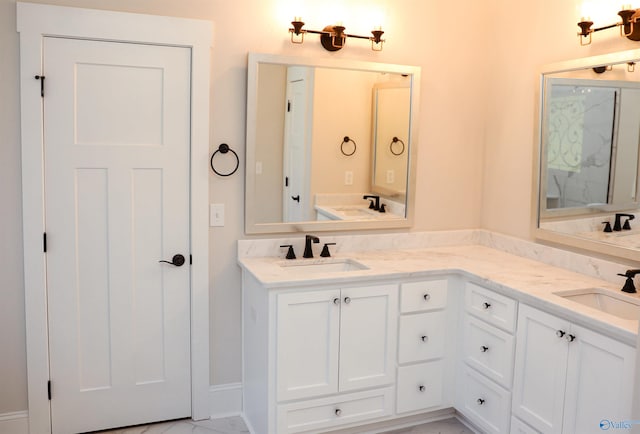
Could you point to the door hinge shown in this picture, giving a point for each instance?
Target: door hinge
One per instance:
(44, 242)
(286, 181)
(288, 106)
(41, 78)
(49, 389)
(190, 260)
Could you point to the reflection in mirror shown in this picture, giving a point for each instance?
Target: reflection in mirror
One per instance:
(392, 101)
(589, 155)
(316, 133)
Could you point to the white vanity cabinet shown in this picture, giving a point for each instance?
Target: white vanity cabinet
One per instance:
(335, 340)
(423, 336)
(569, 379)
(316, 358)
(487, 355)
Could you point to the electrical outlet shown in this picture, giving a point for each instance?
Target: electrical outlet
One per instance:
(348, 177)
(391, 176)
(216, 214)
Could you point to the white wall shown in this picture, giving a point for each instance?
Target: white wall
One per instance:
(478, 85)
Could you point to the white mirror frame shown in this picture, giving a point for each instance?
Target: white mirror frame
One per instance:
(558, 238)
(254, 227)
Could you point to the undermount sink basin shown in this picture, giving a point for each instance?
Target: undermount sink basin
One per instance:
(322, 265)
(619, 305)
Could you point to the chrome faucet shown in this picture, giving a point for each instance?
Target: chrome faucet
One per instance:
(308, 251)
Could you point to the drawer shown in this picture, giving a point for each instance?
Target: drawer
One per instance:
(489, 350)
(422, 337)
(420, 386)
(423, 296)
(519, 427)
(493, 308)
(485, 403)
(334, 411)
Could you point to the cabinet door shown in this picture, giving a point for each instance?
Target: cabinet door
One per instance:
(540, 369)
(368, 335)
(307, 341)
(599, 383)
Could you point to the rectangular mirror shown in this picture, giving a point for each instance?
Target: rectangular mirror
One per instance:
(321, 135)
(588, 161)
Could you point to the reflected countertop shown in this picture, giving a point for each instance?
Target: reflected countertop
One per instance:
(525, 280)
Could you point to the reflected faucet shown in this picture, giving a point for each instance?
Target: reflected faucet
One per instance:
(627, 226)
(374, 206)
(308, 251)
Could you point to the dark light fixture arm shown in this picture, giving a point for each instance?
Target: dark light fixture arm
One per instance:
(628, 26)
(333, 37)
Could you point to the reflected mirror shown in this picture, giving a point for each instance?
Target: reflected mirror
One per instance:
(589, 154)
(322, 135)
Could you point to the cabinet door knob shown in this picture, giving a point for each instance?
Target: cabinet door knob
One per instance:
(336, 300)
(486, 305)
(421, 388)
(426, 297)
(347, 300)
(484, 348)
(570, 338)
(560, 333)
(480, 401)
(424, 338)
(338, 412)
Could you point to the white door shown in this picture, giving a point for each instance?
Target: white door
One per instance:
(540, 369)
(297, 145)
(307, 336)
(116, 142)
(368, 336)
(599, 383)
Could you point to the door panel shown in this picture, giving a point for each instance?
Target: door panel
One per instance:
(540, 370)
(368, 336)
(308, 334)
(116, 139)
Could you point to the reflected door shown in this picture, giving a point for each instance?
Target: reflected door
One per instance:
(297, 145)
(116, 138)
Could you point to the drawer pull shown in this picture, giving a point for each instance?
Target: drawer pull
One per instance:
(560, 333)
(347, 300)
(570, 338)
(336, 300)
(421, 388)
(338, 412)
(484, 348)
(480, 401)
(426, 297)
(424, 338)
(486, 305)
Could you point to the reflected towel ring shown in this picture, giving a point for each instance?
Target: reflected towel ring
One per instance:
(223, 149)
(396, 140)
(346, 139)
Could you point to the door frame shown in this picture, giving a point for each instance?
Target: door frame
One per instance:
(34, 22)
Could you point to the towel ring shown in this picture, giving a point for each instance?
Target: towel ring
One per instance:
(396, 140)
(223, 149)
(346, 139)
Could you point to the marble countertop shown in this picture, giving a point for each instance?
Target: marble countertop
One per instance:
(525, 280)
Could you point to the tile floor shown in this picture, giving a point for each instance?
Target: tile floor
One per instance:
(235, 425)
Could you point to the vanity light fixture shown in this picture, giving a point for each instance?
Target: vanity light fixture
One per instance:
(629, 26)
(333, 37)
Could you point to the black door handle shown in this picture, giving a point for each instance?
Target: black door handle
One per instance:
(296, 198)
(177, 260)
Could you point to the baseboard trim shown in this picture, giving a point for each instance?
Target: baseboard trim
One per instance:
(14, 423)
(224, 400)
